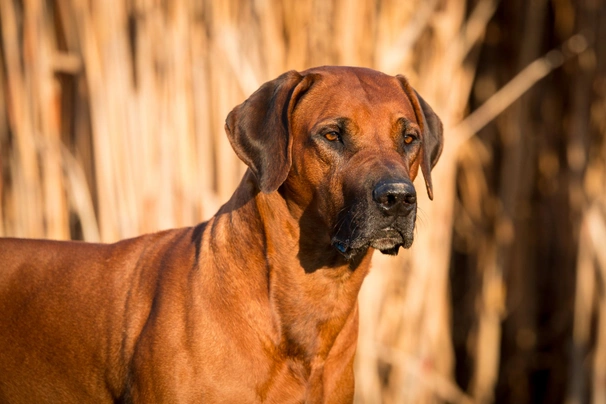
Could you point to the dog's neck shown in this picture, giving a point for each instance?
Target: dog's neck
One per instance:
(310, 300)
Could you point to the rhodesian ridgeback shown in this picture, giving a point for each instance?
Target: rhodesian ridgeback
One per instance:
(259, 304)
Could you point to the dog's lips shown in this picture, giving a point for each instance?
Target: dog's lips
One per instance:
(348, 248)
(387, 240)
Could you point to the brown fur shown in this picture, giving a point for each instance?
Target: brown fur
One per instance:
(259, 304)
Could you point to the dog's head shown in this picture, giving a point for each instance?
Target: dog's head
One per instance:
(345, 144)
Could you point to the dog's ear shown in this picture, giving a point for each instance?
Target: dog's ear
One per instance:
(259, 128)
(433, 138)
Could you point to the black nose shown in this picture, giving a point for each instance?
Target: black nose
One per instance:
(395, 197)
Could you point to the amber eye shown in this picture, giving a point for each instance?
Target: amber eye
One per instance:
(332, 136)
(408, 139)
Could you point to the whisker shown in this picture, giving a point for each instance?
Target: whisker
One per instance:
(341, 221)
(421, 218)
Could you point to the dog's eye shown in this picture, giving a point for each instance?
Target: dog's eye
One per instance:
(332, 136)
(409, 138)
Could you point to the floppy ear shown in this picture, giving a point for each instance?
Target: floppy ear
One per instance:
(259, 129)
(433, 138)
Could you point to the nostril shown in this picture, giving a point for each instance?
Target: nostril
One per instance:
(389, 200)
(410, 199)
(383, 198)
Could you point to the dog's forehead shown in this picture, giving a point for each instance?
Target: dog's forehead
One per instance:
(357, 91)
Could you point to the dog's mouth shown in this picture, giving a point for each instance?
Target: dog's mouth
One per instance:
(387, 240)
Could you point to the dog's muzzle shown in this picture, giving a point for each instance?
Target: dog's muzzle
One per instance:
(385, 221)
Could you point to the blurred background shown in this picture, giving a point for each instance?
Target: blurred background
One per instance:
(111, 125)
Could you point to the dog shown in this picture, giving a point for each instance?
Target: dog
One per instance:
(258, 304)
